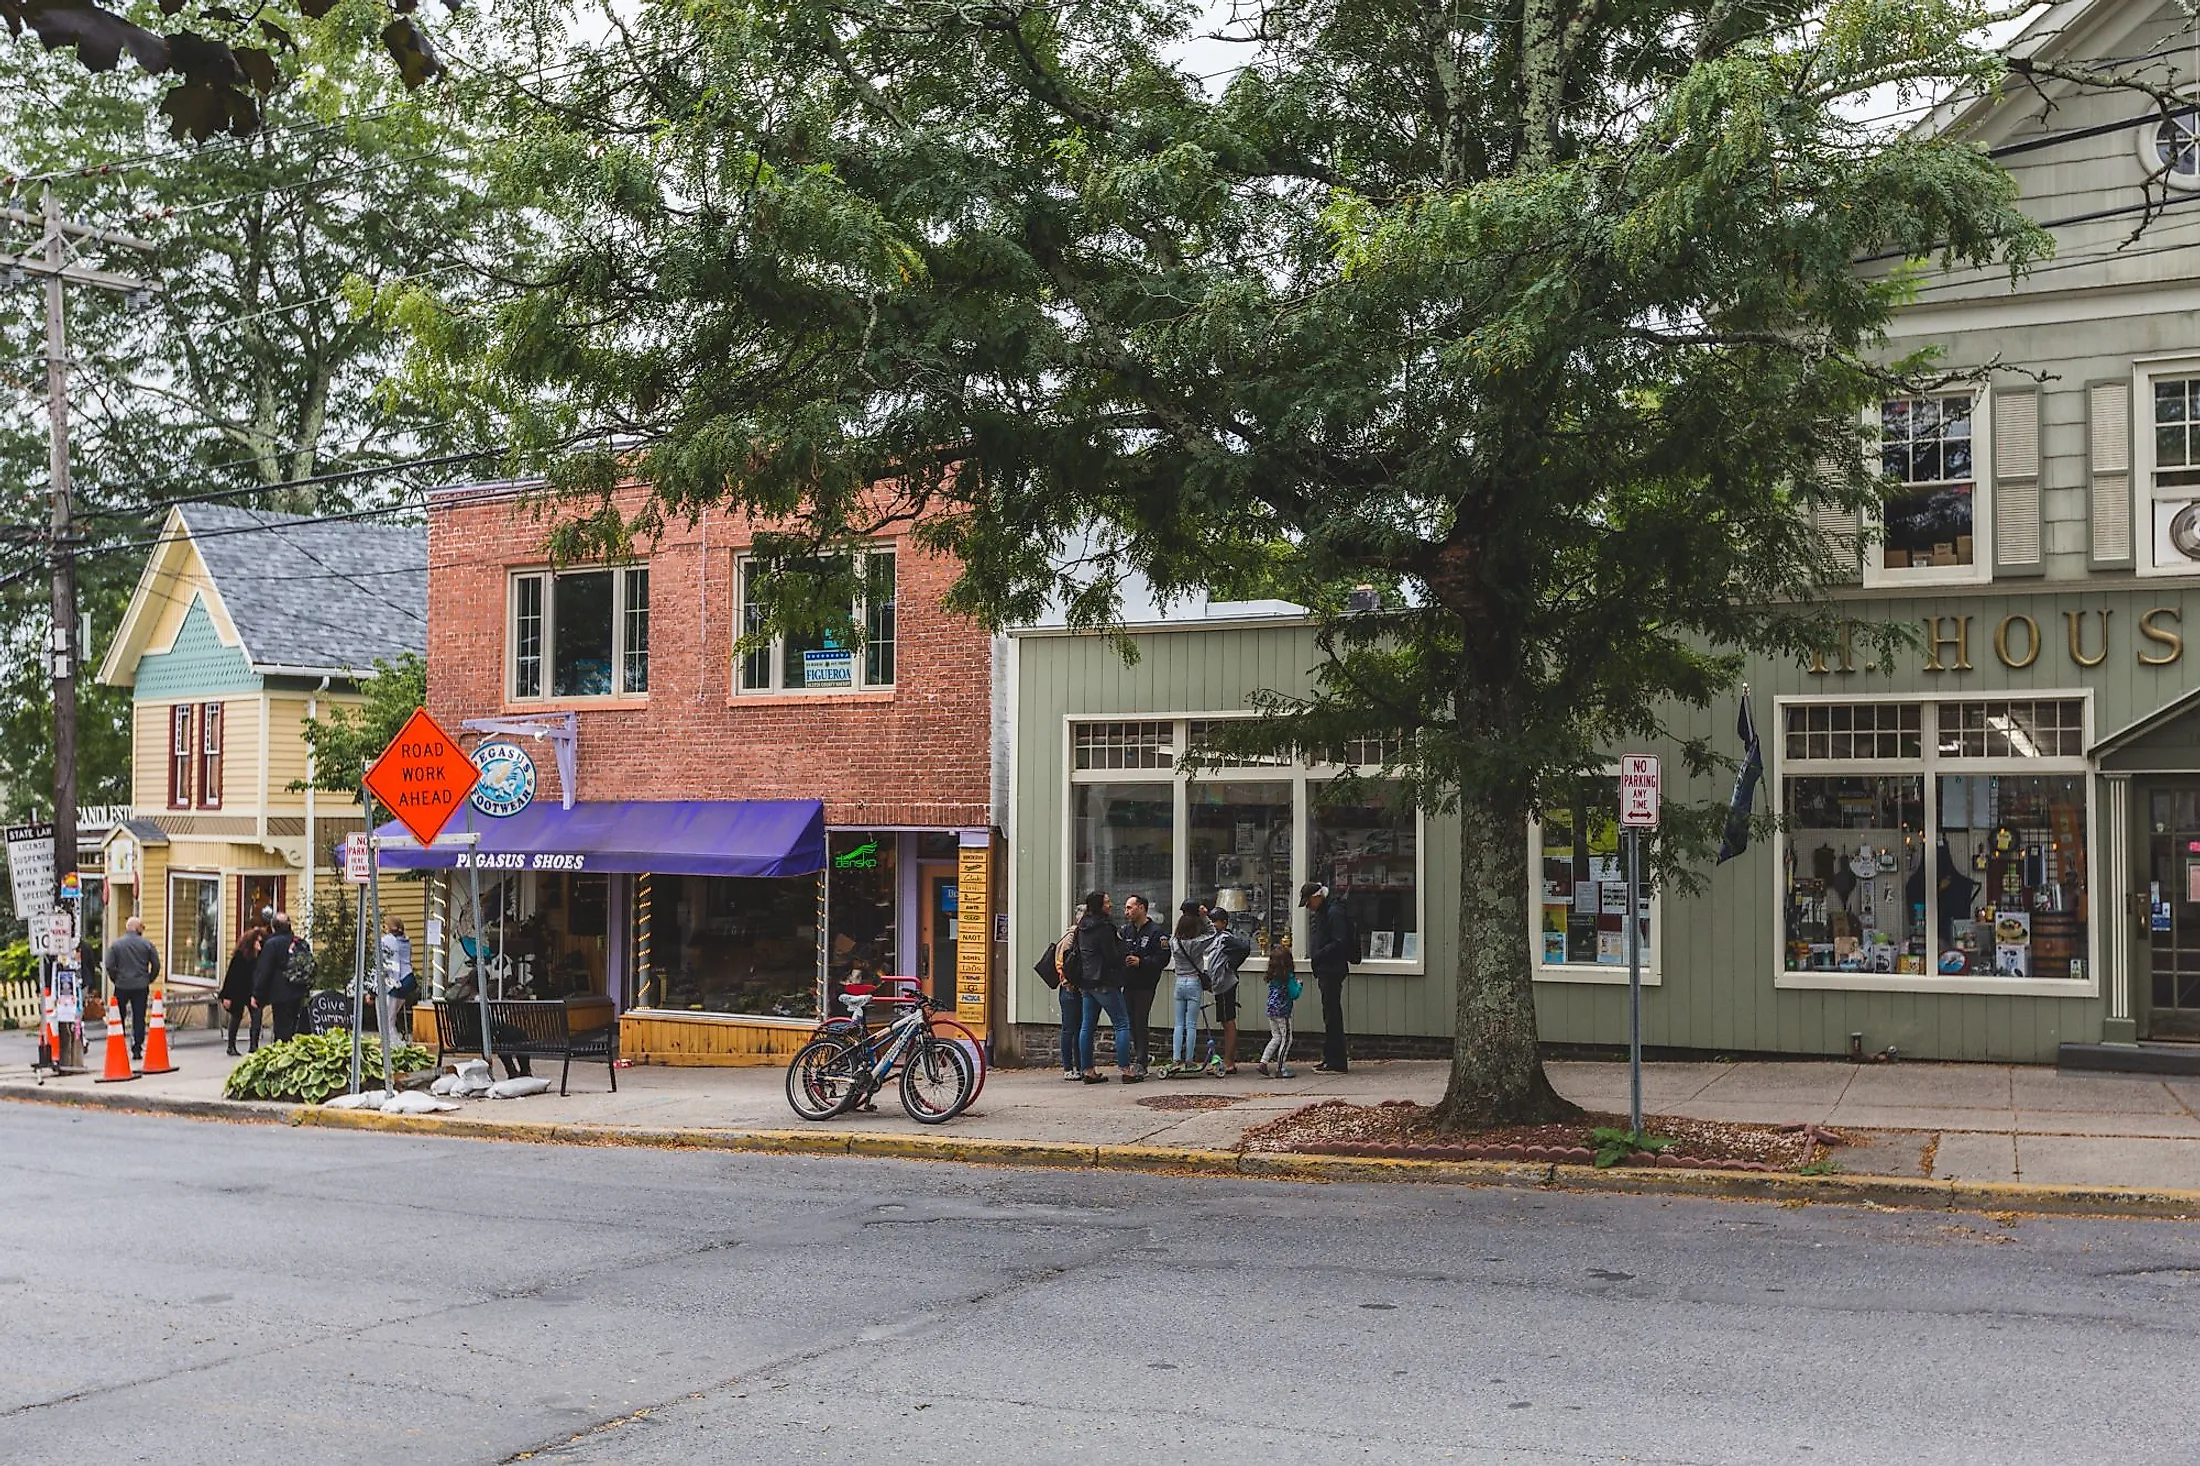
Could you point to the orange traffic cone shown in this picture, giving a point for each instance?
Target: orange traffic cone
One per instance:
(156, 1037)
(49, 1037)
(118, 1048)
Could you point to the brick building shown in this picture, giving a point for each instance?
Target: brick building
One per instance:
(715, 841)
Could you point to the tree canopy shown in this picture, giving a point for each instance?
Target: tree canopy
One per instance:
(1541, 317)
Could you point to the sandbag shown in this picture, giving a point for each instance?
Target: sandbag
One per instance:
(414, 1103)
(444, 1084)
(519, 1088)
(372, 1099)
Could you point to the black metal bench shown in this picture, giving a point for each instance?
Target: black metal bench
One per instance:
(527, 1029)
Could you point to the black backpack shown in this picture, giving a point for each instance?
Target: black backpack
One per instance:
(298, 966)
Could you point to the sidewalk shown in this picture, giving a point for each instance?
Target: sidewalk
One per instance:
(1960, 1122)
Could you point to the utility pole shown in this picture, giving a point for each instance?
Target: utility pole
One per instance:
(55, 266)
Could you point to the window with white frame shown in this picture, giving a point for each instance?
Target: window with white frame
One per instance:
(1935, 840)
(1581, 884)
(1243, 834)
(821, 661)
(580, 633)
(2170, 148)
(1926, 453)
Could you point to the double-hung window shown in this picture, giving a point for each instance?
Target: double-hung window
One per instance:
(579, 633)
(181, 752)
(820, 661)
(1932, 520)
(1934, 845)
(210, 756)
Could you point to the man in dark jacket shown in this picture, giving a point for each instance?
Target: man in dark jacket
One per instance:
(1145, 959)
(1332, 947)
(271, 984)
(132, 964)
(1100, 975)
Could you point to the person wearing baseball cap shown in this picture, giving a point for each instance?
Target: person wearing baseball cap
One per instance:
(1332, 946)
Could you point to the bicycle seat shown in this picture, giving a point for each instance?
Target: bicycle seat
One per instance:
(855, 1001)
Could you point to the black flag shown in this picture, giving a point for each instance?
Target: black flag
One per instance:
(1744, 802)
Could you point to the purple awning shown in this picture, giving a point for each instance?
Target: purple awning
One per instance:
(698, 837)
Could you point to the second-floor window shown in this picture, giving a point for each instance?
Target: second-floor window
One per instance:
(1925, 452)
(580, 633)
(210, 756)
(2176, 432)
(822, 661)
(181, 750)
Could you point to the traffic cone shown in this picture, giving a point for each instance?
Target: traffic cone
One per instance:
(156, 1037)
(118, 1048)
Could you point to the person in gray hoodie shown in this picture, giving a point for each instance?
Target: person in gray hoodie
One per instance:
(132, 964)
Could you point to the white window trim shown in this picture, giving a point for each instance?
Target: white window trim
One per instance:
(1297, 775)
(1981, 569)
(219, 880)
(857, 679)
(1929, 766)
(2146, 145)
(548, 575)
(1595, 974)
(2143, 496)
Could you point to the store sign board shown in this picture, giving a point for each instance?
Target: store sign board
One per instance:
(973, 936)
(30, 868)
(507, 778)
(1638, 791)
(422, 777)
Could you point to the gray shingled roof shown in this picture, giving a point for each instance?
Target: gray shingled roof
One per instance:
(316, 593)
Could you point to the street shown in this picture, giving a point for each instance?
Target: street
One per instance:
(253, 1293)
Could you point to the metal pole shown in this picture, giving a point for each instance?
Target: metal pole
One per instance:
(359, 953)
(481, 959)
(1634, 982)
(370, 943)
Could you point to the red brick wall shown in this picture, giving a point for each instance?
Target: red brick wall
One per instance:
(918, 755)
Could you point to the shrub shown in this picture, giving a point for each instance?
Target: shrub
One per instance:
(313, 1066)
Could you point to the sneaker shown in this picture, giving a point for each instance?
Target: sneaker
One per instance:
(1262, 1066)
(1325, 1069)
(1283, 1072)
(1093, 1078)
(1133, 1076)
(1071, 1076)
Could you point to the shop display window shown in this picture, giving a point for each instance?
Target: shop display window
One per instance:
(1239, 839)
(712, 944)
(1123, 841)
(1972, 862)
(1366, 848)
(195, 928)
(861, 900)
(1582, 875)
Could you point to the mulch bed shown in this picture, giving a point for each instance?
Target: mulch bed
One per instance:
(1402, 1129)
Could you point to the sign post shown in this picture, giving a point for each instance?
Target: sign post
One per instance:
(1638, 811)
(421, 778)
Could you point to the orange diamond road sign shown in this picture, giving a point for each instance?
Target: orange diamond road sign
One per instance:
(422, 777)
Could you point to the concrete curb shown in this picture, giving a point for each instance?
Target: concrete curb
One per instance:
(1888, 1192)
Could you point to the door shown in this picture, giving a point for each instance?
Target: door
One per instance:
(2173, 904)
(937, 930)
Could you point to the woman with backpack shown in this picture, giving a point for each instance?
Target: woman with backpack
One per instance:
(1283, 991)
(1188, 958)
(1057, 968)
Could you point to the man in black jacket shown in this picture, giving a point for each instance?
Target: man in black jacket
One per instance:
(1332, 947)
(271, 984)
(1100, 976)
(1145, 959)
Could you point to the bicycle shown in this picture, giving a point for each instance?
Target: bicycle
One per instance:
(836, 1071)
(904, 990)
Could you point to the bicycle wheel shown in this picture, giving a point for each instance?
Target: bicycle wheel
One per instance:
(948, 1028)
(826, 1078)
(937, 1081)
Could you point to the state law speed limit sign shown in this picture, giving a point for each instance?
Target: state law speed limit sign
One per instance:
(1638, 791)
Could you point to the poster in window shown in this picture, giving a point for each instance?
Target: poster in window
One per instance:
(1409, 946)
(1585, 898)
(1554, 946)
(1380, 945)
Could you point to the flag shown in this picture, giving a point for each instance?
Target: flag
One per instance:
(1744, 802)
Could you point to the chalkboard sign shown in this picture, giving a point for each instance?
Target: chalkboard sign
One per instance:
(328, 1012)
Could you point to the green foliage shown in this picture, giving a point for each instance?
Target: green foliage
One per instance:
(335, 936)
(1825, 1165)
(349, 739)
(314, 1066)
(17, 962)
(1540, 320)
(1614, 1145)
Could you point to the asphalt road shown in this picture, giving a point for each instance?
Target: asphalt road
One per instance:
(256, 1294)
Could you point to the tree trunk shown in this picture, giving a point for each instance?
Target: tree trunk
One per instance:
(1496, 1066)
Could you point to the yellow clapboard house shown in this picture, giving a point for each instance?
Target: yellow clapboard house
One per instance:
(244, 625)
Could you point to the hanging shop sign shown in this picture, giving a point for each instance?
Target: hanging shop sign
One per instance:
(422, 777)
(507, 778)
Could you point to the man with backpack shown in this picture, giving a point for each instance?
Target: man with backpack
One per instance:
(1225, 955)
(283, 976)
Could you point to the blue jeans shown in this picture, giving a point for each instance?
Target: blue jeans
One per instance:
(1119, 1014)
(1184, 1047)
(1073, 1018)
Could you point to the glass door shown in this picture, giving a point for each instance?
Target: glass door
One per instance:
(2173, 908)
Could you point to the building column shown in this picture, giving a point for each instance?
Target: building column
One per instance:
(2111, 905)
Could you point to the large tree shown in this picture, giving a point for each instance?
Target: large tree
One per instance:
(1539, 316)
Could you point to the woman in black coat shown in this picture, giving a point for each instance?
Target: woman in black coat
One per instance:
(271, 983)
(236, 989)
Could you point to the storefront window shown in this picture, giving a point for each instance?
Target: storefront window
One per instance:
(714, 944)
(1957, 869)
(1583, 881)
(566, 941)
(1123, 840)
(1367, 851)
(195, 928)
(1240, 844)
(860, 905)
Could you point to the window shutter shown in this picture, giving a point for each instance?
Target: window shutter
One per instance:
(2108, 443)
(2016, 455)
(1839, 524)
